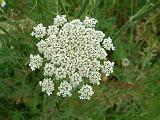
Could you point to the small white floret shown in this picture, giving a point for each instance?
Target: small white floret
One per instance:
(35, 61)
(64, 89)
(107, 44)
(47, 86)
(49, 69)
(90, 22)
(86, 92)
(39, 31)
(107, 68)
(59, 21)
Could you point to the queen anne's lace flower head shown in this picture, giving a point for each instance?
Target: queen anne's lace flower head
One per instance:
(73, 53)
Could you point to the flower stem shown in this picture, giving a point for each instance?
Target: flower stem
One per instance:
(147, 8)
(132, 26)
(44, 105)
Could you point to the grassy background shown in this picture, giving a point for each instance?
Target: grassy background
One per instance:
(130, 93)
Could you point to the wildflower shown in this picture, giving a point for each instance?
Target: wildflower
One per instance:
(72, 53)
(47, 86)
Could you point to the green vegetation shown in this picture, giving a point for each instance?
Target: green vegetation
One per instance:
(130, 93)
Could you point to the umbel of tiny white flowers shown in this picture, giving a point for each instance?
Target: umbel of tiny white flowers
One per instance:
(71, 52)
(47, 85)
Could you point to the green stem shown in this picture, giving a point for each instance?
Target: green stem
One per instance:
(84, 6)
(122, 29)
(44, 105)
(132, 26)
(57, 7)
(48, 10)
(63, 8)
(141, 13)
(33, 7)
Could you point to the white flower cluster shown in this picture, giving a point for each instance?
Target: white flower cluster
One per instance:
(39, 31)
(35, 61)
(64, 89)
(86, 92)
(73, 53)
(47, 85)
(108, 67)
(60, 20)
(90, 22)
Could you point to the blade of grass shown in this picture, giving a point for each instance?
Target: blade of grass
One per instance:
(57, 3)
(132, 26)
(7, 33)
(84, 6)
(63, 8)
